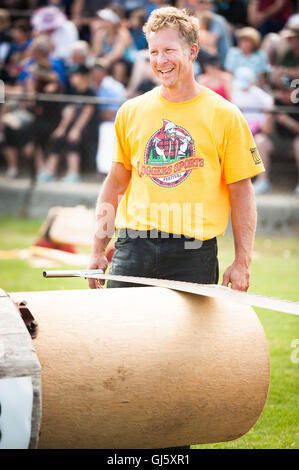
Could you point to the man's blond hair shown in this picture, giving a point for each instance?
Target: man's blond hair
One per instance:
(171, 17)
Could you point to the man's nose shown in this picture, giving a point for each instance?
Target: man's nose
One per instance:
(161, 57)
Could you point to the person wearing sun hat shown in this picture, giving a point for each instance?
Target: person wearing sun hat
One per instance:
(248, 54)
(63, 33)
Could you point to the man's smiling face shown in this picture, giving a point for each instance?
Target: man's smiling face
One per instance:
(169, 57)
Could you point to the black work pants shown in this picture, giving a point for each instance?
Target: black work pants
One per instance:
(152, 254)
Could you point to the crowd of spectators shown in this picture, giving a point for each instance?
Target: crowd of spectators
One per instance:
(96, 49)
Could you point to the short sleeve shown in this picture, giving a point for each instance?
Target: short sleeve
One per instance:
(121, 150)
(240, 159)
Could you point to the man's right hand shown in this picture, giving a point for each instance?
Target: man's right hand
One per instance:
(97, 262)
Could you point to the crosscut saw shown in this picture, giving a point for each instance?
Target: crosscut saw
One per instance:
(210, 290)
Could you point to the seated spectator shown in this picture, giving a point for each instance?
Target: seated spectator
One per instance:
(218, 26)
(5, 39)
(208, 40)
(80, 53)
(106, 87)
(82, 14)
(215, 78)
(63, 33)
(269, 16)
(40, 66)
(248, 54)
(131, 5)
(27, 130)
(234, 11)
(18, 51)
(189, 5)
(136, 21)
(16, 123)
(252, 100)
(141, 72)
(287, 65)
(279, 132)
(111, 39)
(76, 133)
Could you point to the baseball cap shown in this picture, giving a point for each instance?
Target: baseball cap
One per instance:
(108, 15)
(244, 77)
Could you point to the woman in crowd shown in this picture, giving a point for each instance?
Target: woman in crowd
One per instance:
(248, 54)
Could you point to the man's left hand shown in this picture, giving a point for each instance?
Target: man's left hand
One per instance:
(238, 276)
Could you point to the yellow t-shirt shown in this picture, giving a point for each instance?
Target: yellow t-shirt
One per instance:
(182, 157)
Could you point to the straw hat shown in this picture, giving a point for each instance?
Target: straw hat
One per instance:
(47, 19)
(250, 33)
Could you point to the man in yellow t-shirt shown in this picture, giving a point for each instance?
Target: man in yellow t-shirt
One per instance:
(182, 160)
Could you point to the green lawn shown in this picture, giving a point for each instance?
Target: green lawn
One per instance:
(274, 272)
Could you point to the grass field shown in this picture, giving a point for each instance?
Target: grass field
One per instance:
(274, 272)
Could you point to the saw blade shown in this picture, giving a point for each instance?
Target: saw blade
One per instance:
(210, 290)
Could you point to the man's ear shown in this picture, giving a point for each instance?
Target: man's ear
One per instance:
(194, 49)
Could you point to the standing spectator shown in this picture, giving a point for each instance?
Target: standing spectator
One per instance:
(77, 132)
(280, 131)
(63, 32)
(246, 94)
(269, 15)
(218, 26)
(248, 54)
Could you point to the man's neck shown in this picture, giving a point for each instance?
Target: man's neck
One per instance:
(183, 93)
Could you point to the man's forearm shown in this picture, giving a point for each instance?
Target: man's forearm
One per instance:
(243, 220)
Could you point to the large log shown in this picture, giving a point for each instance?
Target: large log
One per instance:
(146, 367)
